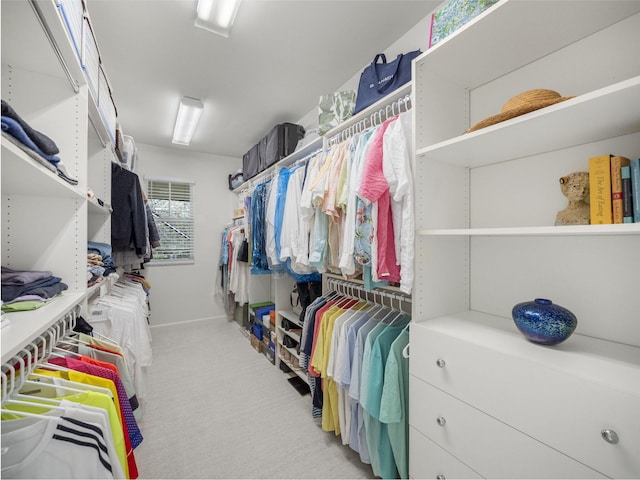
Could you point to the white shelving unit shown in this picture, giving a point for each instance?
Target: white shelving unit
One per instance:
(280, 347)
(485, 241)
(46, 221)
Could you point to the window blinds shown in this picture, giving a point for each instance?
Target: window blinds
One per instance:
(171, 204)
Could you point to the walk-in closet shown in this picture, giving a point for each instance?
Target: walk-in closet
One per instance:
(281, 239)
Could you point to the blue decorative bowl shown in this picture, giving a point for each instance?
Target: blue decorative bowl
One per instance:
(542, 321)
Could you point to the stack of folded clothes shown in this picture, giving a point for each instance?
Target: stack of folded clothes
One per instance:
(95, 269)
(36, 144)
(28, 289)
(99, 260)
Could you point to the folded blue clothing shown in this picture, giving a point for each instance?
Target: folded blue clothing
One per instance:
(14, 129)
(102, 249)
(22, 277)
(11, 292)
(44, 143)
(49, 291)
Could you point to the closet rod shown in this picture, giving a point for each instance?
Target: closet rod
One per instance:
(352, 289)
(273, 171)
(18, 368)
(376, 118)
(54, 45)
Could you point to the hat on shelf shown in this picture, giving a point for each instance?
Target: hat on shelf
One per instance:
(522, 103)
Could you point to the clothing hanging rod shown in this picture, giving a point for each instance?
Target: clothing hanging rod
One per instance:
(17, 369)
(376, 118)
(352, 289)
(273, 171)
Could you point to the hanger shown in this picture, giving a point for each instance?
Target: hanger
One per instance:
(14, 398)
(331, 295)
(50, 383)
(59, 351)
(14, 395)
(72, 339)
(19, 413)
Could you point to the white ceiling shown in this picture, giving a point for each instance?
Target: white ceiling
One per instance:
(280, 57)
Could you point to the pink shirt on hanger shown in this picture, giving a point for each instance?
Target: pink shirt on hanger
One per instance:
(374, 187)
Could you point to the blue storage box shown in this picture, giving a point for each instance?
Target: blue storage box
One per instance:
(257, 331)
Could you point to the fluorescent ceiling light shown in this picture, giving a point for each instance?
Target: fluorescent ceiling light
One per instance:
(217, 16)
(187, 120)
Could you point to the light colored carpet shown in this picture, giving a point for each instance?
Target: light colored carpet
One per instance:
(216, 408)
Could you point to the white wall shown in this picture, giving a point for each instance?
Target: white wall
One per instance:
(414, 39)
(187, 292)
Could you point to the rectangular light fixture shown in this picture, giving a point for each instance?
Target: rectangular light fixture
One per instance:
(217, 16)
(187, 120)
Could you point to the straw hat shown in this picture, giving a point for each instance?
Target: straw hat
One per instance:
(522, 103)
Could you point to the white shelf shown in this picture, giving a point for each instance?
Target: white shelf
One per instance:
(102, 288)
(26, 326)
(98, 125)
(290, 334)
(601, 114)
(300, 372)
(23, 175)
(291, 316)
(292, 351)
(95, 207)
(587, 230)
(514, 33)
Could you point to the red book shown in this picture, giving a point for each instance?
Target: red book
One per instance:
(617, 163)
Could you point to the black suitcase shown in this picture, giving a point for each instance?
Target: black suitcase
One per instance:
(251, 163)
(262, 152)
(281, 141)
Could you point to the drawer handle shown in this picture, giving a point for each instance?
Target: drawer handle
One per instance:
(441, 477)
(610, 436)
(441, 421)
(440, 362)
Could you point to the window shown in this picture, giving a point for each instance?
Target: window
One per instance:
(171, 204)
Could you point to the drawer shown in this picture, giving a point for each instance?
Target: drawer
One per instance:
(513, 380)
(487, 445)
(428, 460)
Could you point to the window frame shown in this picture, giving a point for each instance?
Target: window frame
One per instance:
(159, 219)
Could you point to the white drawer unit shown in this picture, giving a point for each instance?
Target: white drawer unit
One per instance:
(428, 460)
(573, 398)
(489, 446)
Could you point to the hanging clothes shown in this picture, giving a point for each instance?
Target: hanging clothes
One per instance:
(353, 349)
(259, 261)
(129, 218)
(396, 167)
(71, 418)
(122, 316)
(375, 188)
(394, 402)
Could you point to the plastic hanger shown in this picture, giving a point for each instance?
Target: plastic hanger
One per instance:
(19, 413)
